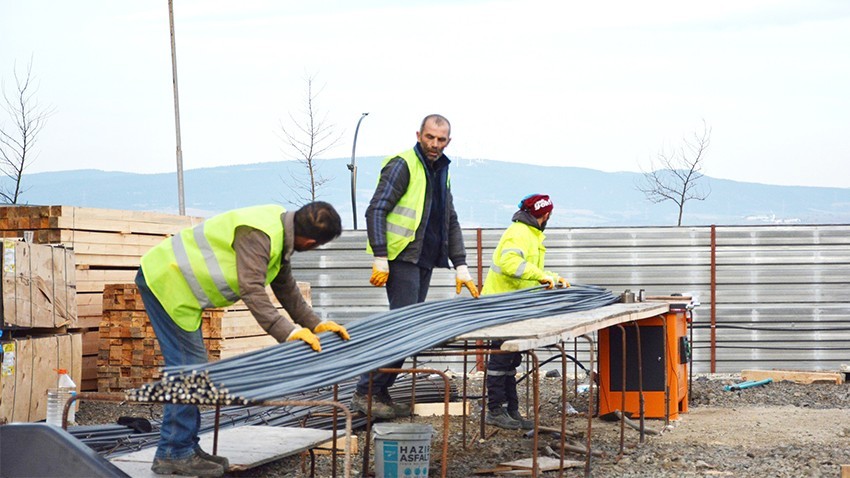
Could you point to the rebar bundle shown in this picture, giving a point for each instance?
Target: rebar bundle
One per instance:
(292, 367)
(114, 440)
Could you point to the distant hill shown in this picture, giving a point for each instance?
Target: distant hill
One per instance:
(486, 193)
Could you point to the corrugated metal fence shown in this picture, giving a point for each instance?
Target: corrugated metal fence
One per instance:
(780, 292)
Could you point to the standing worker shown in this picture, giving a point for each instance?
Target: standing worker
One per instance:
(517, 264)
(412, 227)
(228, 257)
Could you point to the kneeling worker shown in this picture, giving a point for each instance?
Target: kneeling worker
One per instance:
(517, 264)
(228, 257)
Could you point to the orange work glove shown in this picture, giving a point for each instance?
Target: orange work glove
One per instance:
(331, 326)
(304, 334)
(563, 282)
(463, 279)
(548, 281)
(380, 272)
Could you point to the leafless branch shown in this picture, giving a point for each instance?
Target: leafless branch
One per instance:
(18, 141)
(308, 136)
(675, 175)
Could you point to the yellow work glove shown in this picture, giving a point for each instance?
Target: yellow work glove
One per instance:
(462, 278)
(303, 333)
(548, 281)
(331, 326)
(380, 272)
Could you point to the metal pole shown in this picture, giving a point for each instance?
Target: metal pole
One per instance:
(176, 111)
(353, 168)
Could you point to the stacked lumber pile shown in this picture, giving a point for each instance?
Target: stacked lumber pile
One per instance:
(38, 307)
(28, 369)
(39, 286)
(129, 355)
(107, 244)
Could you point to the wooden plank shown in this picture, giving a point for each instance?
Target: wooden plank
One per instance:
(845, 471)
(240, 345)
(438, 409)
(240, 445)
(327, 447)
(544, 463)
(533, 333)
(795, 376)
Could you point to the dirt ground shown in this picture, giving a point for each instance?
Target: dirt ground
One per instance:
(777, 430)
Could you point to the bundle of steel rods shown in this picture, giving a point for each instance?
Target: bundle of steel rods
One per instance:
(114, 440)
(292, 367)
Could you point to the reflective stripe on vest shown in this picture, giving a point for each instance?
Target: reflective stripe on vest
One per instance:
(196, 268)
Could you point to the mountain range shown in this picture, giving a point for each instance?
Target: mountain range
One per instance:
(486, 193)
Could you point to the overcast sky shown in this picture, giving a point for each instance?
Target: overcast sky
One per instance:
(603, 85)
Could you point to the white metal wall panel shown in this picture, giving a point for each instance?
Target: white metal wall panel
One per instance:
(781, 291)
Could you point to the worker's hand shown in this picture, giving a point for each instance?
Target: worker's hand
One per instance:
(548, 281)
(380, 272)
(462, 278)
(331, 326)
(563, 282)
(303, 333)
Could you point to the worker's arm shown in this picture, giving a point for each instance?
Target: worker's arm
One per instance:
(392, 185)
(457, 251)
(252, 248)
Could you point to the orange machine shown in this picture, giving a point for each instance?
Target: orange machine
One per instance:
(665, 354)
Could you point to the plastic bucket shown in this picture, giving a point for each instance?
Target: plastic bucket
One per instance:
(402, 450)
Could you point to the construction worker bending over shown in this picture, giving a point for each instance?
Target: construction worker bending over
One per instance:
(228, 257)
(412, 227)
(517, 264)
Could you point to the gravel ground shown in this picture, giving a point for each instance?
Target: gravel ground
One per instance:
(777, 430)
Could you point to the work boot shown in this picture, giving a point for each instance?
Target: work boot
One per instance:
(224, 462)
(524, 424)
(360, 403)
(500, 418)
(191, 466)
(400, 409)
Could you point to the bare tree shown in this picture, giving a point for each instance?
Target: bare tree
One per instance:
(305, 139)
(676, 174)
(17, 142)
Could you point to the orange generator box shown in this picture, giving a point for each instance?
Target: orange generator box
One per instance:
(664, 354)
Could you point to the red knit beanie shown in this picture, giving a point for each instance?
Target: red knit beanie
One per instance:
(536, 204)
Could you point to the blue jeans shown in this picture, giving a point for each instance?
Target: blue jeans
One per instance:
(178, 436)
(407, 284)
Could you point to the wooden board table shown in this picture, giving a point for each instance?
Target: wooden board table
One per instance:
(246, 447)
(530, 334)
(534, 333)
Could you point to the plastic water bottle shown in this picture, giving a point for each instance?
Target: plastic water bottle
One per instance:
(58, 397)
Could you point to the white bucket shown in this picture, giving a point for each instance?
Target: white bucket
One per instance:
(402, 450)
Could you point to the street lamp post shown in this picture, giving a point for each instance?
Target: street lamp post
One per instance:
(353, 168)
(180, 198)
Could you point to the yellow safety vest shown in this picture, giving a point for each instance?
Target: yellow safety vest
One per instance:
(405, 217)
(517, 260)
(196, 268)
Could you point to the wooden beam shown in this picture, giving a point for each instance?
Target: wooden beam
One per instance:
(795, 376)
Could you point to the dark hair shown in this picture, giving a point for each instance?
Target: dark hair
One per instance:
(439, 119)
(318, 220)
